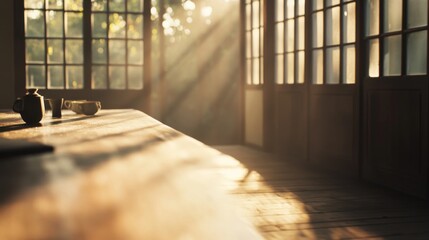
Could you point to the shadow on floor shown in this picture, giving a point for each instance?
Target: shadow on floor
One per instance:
(288, 201)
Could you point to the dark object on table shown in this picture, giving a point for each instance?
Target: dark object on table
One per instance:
(56, 106)
(31, 107)
(16, 147)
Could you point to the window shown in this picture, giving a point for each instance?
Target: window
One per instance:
(254, 42)
(333, 42)
(290, 41)
(65, 39)
(396, 37)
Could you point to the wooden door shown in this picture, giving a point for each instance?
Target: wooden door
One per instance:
(395, 94)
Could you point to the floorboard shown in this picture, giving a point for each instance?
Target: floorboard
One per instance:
(287, 201)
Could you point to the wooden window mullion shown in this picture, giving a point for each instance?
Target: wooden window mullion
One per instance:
(45, 42)
(87, 45)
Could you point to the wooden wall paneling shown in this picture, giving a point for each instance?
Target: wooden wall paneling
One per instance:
(292, 125)
(332, 139)
(396, 140)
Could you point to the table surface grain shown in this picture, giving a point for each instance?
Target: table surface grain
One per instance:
(119, 174)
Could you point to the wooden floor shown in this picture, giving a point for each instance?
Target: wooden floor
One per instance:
(286, 201)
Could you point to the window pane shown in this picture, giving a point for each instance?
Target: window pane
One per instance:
(74, 77)
(349, 24)
(34, 23)
(256, 72)
(117, 25)
(417, 53)
(135, 77)
(135, 26)
(99, 25)
(248, 17)
(255, 43)
(249, 71)
(349, 64)
(417, 13)
(55, 4)
(290, 8)
(56, 77)
(317, 67)
(333, 26)
(392, 56)
(261, 41)
(117, 50)
(300, 67)
(74, 51)
(332, 2)
(318, 29)
(280, 38)
(372, 24)
(279, 69)
(99, 51)
(117, 77)
(280, 10)
(54, 24)
(261, 67)
(99, 77)
(261, 13)
(36, 76)
(35, 51)
(255, 14)
(34, 4)
(301, 33)
(98, 5)
(55, 51)
(392, 15)
(135, 5)
(290, 43)
(74, 24)
(374, 59)
(333, 65)
(290, 69)
(135, 52)
(317, 4)
(74, 5)
(248, 44)
(301, 7)
(117, 5)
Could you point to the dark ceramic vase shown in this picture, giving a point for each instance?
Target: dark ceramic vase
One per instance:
(31, 107)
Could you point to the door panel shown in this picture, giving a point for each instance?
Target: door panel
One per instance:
(292, 125)
(332, 142)
(396, 139)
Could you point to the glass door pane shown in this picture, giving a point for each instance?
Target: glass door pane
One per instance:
(372, 13)
(417, 13)
(317, 67)
(333, 65)
(374, 57)
(417, 53)
(349, 23)
(392, 15)
(392, 56)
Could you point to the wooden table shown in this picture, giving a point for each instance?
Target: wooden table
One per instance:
(117, 175)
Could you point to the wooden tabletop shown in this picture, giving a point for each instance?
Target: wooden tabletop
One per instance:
(119, 174)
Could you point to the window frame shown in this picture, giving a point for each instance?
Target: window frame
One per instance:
(250, 57)
(110, 97)
(296, 49)
(340, 46)
(382, 35)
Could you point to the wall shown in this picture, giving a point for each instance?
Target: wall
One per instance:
(201, 82)
(7, 95)
(253, 133)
